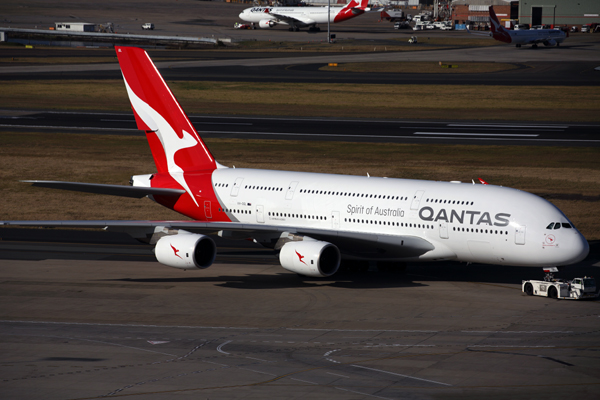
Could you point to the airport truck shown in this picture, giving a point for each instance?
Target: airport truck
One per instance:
(576, 289)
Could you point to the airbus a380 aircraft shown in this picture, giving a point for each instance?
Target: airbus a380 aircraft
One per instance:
(316, 220)
(300, 17)
(549, 37)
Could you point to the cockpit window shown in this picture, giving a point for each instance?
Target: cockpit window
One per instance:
(557, 225)
(565, 225)
(550, 226)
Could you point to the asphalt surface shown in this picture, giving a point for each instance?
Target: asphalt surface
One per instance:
(91, 314)
(326, 129)
(88, 324)
(304, 67)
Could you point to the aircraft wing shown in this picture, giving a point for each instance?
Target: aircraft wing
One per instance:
(292, 20)
(112, 190)
(359, 243)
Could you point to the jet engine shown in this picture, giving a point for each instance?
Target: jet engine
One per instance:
(310, 258)
(186, 251)
(267, 23)
(550, 42)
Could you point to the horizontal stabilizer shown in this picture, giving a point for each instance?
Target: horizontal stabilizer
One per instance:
(113, 190)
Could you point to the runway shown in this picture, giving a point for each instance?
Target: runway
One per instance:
(549, 69)
(89, 328)
(326, 129)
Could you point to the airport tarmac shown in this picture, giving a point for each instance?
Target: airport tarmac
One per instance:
(89, 324)
(322, 129)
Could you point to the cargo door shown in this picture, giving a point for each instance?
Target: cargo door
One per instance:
(236, 187)
(520, 235)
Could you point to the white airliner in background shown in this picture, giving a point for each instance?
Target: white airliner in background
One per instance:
(300, 17)
(316, 221)
(549, 37)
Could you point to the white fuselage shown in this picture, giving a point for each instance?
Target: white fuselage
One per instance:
(303, 15)
(463, 221)
(530, 36)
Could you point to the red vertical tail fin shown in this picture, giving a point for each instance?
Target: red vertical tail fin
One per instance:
(498, 31)
(175, 144)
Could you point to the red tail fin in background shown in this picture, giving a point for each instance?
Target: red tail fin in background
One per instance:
(175, 144)
(498, 31)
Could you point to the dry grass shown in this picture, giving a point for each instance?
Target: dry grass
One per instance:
(569, 177)
(335, 100)
(69, 60)
(422, 67)
(424, 43)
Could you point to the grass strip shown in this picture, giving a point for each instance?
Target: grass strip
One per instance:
(527, 103)
(567, 176)
(422, 67)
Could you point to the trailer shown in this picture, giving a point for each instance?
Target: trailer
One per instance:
(575, 289)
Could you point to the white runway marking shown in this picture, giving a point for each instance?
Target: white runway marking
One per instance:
(364, 394)
(404, 376)
(221, 346)
(479, 134)
(300, 380)
(343, 376)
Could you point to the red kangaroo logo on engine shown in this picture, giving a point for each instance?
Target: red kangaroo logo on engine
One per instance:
(300, 257)
(175, 251)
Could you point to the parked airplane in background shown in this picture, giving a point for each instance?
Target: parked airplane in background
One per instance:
(300, 17)
(316, 221)
(549, 37)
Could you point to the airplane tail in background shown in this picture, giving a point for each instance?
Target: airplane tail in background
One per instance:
(175, 144)
(498, 31)
(353, 9)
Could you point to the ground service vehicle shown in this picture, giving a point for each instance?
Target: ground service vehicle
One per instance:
(576, 289)
(148, 26)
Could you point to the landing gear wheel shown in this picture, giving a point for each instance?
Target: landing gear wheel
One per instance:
(529, 289)
(518, 45)
(296, 29)
(534, 46)
(552, 293)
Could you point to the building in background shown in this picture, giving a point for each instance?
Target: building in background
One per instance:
(559, 12)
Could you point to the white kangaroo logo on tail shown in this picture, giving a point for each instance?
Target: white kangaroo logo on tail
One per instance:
(169, 139)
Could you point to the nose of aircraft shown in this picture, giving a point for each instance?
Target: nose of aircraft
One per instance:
(576, 249)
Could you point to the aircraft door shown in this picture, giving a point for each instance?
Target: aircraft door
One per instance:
(236, 187)
(335, 220)
(291, 189)
(260, 214)
(443, 230)
(207, 210)
(416, 201)
(520, 235)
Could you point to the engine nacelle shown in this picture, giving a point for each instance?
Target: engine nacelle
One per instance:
(267, 23)
(186, 251)
(310, 258)
(550, 42)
